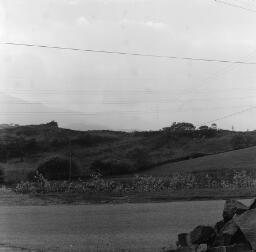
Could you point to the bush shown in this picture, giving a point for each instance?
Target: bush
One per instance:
(241, 141)
(58, 142)
(175, 182)
(1, 175)
(91, 140)
(58, 168)
(140, 157)
(112, 166)
(208, 133)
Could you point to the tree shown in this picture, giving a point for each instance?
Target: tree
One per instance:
(214, 126)
(205, 131)
(111, 166)
(203, 127)
(58, 168)
(52, 124)
(180, 127)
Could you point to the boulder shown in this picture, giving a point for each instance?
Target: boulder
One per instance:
(193, 248)
(225, 235)
(184, 240)
(219, 225)
(202, 235)
(253, 205)
(233, 207)
(247, 223)
(232, 248)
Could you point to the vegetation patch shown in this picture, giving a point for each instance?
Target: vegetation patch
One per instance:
(174, 183)
(58, 168)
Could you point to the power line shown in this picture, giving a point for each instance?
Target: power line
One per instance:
(235, 5)
(216, 75)
(129, 53)
(230, 115)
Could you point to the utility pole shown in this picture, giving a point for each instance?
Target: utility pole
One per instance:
(70, 156)
(70, 160)
(70, 163)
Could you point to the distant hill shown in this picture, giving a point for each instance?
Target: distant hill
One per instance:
(6, 125)
(22, 148)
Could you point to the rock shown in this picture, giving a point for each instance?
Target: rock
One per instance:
(247, 223)
(193, 248)
(231, 208)
(202, 234)
(185, 249)
(219, 225)
(233, 248)
(225, 235)
(202, 248)
(253, 205)
(184, 240)
(166, 249)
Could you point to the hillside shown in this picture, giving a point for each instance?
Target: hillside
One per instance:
(23, 148)
(244, 159)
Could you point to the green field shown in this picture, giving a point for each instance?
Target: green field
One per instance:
(244, 159)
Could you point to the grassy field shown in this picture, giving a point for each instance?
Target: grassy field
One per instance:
(244, 159)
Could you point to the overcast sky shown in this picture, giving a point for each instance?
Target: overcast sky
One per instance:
(81, 89)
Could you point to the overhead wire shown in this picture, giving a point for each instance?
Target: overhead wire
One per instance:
(129, 53)
(235, 5)
(229, 115)
(133, 54)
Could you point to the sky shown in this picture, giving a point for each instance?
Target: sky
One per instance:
(85, 90)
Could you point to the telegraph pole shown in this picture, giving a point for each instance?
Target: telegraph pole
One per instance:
(70, 160)
(70, 163)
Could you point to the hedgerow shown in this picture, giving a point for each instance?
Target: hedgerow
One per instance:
(175, 182)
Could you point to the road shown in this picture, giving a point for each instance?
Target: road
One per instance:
(106, 227)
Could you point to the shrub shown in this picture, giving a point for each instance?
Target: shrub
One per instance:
(241, 141)
(58, 142)
(140, 157)
(206, 132)
(1, 175)
(90, 139)
(175, 182)
(112, 166)
(58, 168)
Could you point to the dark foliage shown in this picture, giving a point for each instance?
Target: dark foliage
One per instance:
(1, 176)
(17, 148)
(148, 133)
(180, 127)
(90, 139)
(51, 124)
(241, 141)
(58, 168)
(112, 167)
(59, 142)
(140, 157)
(27, 131)
(207, 132)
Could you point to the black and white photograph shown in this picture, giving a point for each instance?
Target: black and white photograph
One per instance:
(128, 125)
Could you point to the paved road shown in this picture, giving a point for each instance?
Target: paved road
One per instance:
(135, 227)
